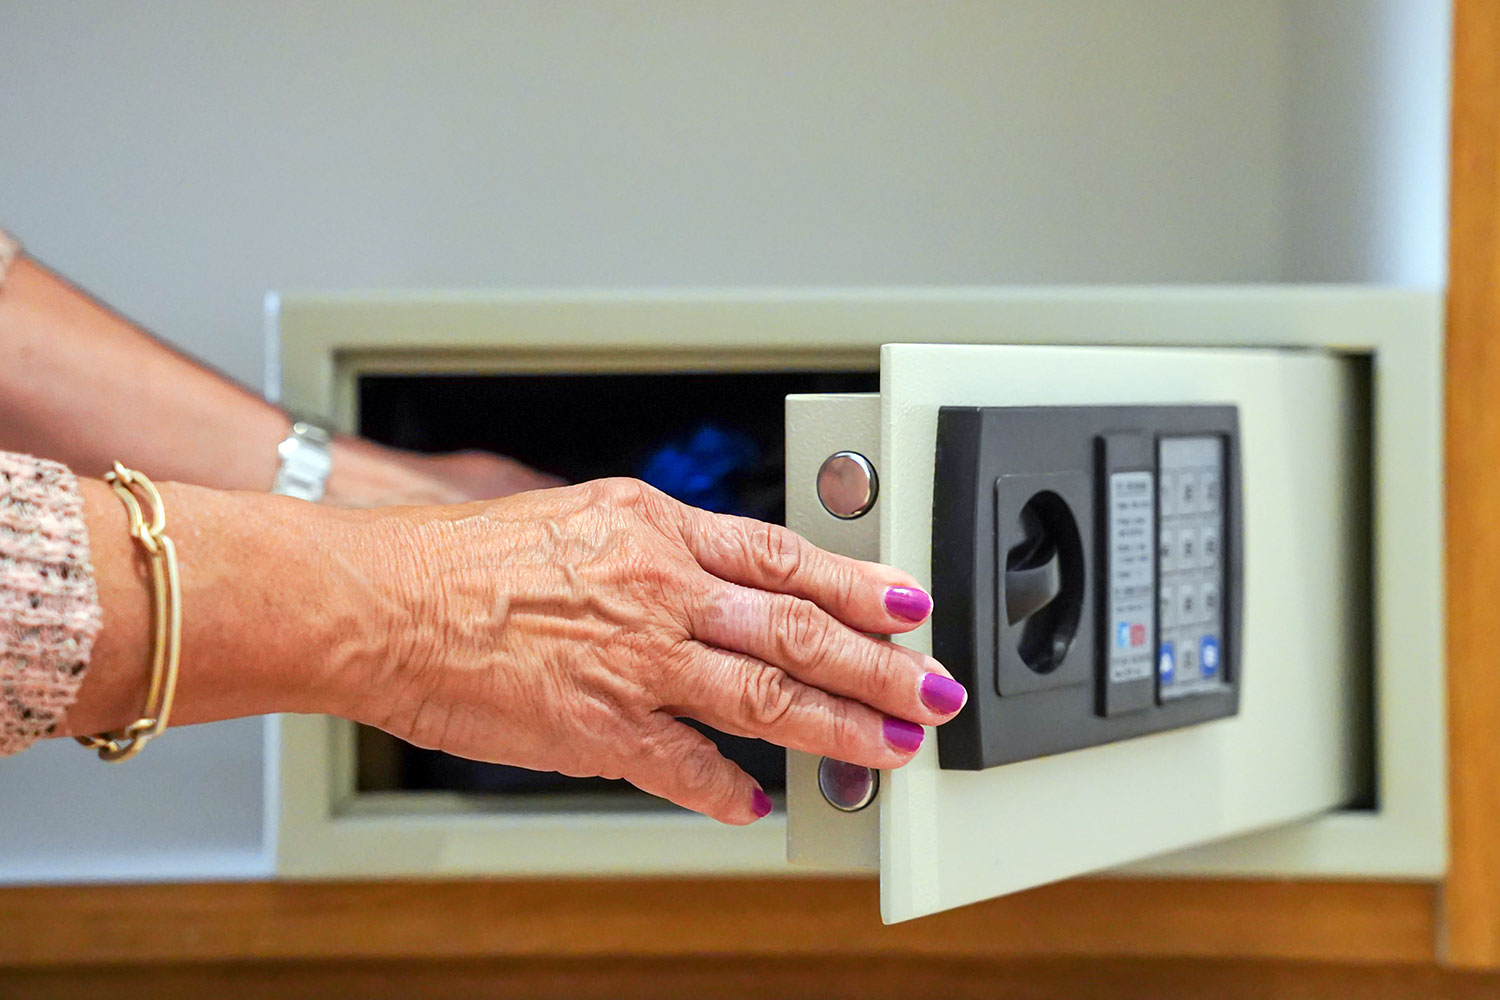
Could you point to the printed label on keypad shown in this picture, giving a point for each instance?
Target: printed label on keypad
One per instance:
(1190, 566)
(1132, 577)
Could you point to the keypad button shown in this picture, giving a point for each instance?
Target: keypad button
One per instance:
(1187, 661)
(1208, 655)
(1210, 499)
(1168, 491)
(1167, 611)
(1208, 601)
(1187, 549)
(1166, 550)
(1187, 605)
(1208, 546)
(1189, 492)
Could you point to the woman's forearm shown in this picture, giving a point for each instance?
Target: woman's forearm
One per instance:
(85, 386)
(277, 612)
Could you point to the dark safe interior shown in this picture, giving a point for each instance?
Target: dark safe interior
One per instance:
(712, 439)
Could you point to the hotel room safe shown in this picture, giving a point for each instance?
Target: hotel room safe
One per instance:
(1199, 634)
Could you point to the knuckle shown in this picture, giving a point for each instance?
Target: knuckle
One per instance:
(621, 492)
(697, 771)
(844, 730)
(803, 631)
(885, 668)
(780, 552)
(768, 698)
(847, 586)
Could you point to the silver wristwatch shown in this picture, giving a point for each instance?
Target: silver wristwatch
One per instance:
(306, 458)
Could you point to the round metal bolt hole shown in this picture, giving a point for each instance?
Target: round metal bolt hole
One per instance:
(847, 485)
(847, 787)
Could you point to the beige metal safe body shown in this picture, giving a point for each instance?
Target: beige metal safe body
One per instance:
(1339, 396)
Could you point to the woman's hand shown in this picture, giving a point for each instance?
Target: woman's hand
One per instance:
(366, 474)
(570, 629)
(476, 475)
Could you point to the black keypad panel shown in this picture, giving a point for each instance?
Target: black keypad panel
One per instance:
(1086, 570)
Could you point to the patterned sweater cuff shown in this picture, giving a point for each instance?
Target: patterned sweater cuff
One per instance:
(49, 605)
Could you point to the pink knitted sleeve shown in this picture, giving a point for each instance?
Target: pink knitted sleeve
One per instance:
(49, 606)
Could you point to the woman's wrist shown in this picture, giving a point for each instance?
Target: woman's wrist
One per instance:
(277, 610)
(399, 593)
(114, 687)
(319, 619)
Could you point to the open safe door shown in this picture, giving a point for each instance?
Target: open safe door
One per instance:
(1150, 570)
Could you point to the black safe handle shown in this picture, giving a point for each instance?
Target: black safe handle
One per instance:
(1033, 585)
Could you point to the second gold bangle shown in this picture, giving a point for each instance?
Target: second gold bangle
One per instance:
(166, 617)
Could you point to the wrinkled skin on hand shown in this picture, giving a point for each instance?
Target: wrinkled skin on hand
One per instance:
(570, 629)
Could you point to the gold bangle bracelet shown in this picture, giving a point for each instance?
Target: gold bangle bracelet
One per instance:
(166, 617)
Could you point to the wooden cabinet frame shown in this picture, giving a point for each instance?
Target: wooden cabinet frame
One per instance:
(1471, 896)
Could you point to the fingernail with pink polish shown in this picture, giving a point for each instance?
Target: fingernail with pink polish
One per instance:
(943, 694)
(760, 804)
(908, 603)
(902, 735)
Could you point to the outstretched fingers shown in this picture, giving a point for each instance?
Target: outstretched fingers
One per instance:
(865, 596)
(745, 696)
(813, 646)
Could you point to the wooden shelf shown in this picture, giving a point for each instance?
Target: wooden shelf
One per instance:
(679, 919)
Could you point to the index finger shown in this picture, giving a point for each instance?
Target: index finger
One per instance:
(866, 596)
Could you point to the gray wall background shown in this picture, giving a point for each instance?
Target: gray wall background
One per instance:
(180, 159)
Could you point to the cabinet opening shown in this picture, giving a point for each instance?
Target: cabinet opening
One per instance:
(711, 439)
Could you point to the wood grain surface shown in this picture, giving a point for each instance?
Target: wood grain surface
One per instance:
(723, 978)
(1471, 901)
(681, 919)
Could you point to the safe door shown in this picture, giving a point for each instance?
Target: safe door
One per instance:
(1151, 573)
